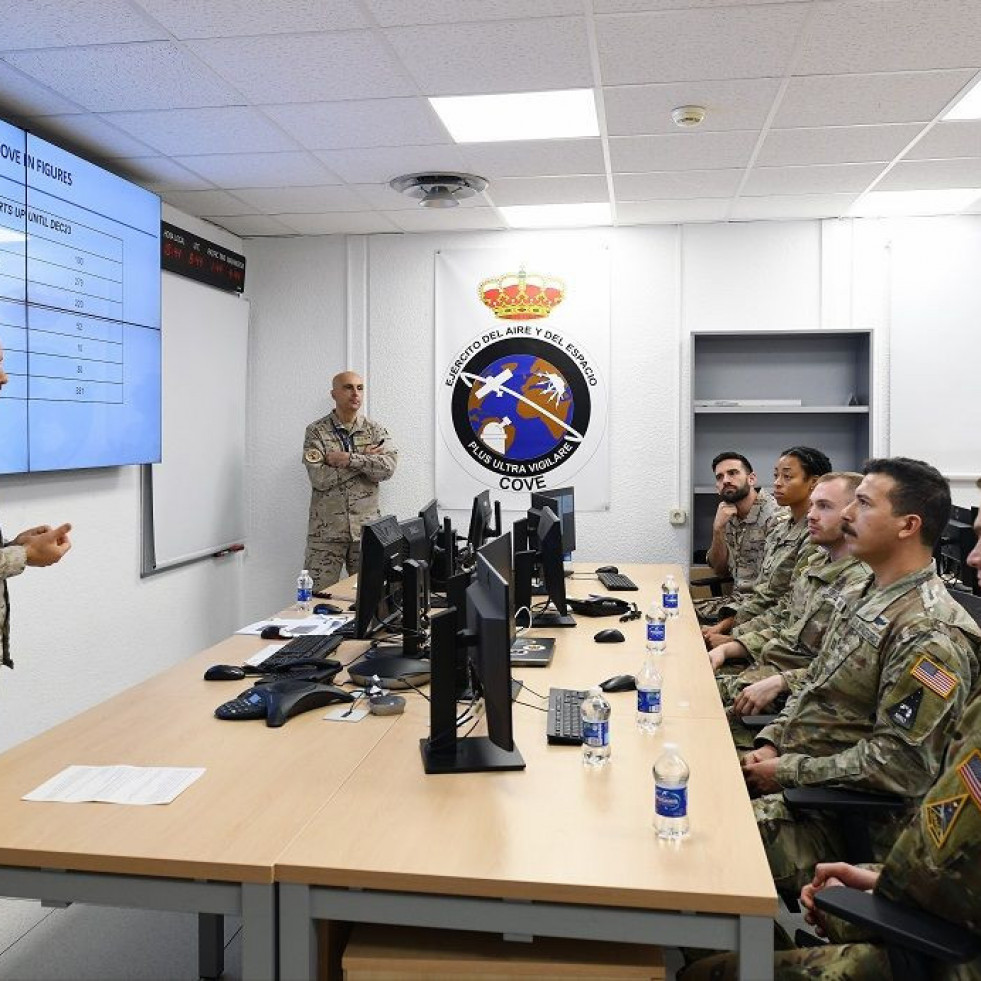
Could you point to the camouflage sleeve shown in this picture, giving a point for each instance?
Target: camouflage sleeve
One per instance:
(758, 632)
(795, 678)
(13, 558)
(315, 450)
(922, 690)
(772, 595)
(377, 466)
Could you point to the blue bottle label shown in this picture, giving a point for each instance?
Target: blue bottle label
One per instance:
(655, 633)
(671, 802)
(303, 595)
(596, 733)
(670, 601)
(649, 701)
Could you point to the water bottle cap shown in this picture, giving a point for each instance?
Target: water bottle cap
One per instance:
(304, 572)
(667, 746)
(596, 690)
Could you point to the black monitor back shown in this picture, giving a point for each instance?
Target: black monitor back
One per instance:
(430, 518)
(562, 501)
(382, 547)
(549, 535)
(418, 543)
(481, 516)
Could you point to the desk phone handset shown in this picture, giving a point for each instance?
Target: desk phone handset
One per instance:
(280, 700)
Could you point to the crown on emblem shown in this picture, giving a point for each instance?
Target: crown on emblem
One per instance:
(519, 296)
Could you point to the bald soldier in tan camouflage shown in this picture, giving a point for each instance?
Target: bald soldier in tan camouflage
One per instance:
(893, 673)
(346, 456)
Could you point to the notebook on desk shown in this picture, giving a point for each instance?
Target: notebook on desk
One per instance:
(532, 652)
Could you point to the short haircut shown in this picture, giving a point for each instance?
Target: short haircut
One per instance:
(813, 462)
(850, 477)
(919, 489)
(732, 456)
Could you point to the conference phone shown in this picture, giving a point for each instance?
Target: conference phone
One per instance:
(280, 700)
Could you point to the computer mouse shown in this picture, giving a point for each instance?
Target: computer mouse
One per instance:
(386, 705)
(608, 568)
(224, 672)
(619, 682)
(274, 632)
(327, 608)
(609, 636)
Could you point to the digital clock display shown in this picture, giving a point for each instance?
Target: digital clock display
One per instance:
(196, 258)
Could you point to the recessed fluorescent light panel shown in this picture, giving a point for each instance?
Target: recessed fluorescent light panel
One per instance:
(557, 215)
(968, 106)
(519, 116)
(896, 204)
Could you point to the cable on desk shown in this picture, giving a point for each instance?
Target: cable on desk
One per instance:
(533, 692)
(538, 708)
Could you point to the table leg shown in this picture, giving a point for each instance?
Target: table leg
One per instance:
(211, 945)
(755, 948)
(258, 931)
(297, 934)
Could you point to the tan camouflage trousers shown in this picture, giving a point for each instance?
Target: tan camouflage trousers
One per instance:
(324, 561)
(836, 962)
(709, 608)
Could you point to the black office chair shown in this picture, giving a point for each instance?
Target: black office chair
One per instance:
(715, 584)
(970, 602)
(915, 940)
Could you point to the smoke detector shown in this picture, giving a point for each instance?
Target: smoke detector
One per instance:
(439, 190)
(688, 116)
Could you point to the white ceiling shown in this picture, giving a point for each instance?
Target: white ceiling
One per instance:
(285, 117)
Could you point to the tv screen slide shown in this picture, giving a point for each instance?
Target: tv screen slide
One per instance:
(79, 312)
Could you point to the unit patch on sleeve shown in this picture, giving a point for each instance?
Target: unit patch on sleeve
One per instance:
(934, 677)
(313, 456)
(940, 817)
(903, 713)
(970, 772)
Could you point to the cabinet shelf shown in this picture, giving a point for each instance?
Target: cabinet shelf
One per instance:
(725, 410)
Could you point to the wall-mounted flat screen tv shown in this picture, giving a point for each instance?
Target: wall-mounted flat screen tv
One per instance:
(79, 312)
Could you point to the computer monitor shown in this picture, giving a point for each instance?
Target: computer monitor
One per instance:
(543, 530)
(955, 545)
(418, 544)
(562, 501)
(378, 597)
(430, 519)
(480, 521)
(487, 644)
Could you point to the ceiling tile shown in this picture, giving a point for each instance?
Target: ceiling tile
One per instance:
(91, 136)
(831, 178)
(53, 24)
(260, 169)
(207, 203)
(497, 56)
(891, 35)
(734, 104)
(535, 158)
(110, 77)
(636, 6)
(159, 174)
(674, 45)
(276, 200)
(404, 13)
(21, 95)
(338, 223)
(835, 144)
(306, 67)
(379, 165)
(447, 219)
(230, 129)
(672, 212)
(251, 225)
(232, 18)
(923, 175)
(852, 100)
(778, 207)
(957, 138)
(549, 190)
(367, 123)
(681, 151)
(678, 184)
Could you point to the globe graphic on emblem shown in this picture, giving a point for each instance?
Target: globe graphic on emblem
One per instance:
(523, 428)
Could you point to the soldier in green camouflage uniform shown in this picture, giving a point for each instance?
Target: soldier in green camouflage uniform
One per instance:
(795, 475)
(346, 456)
(744, 518)
(935, 865)
(38, 546)
(892, 675)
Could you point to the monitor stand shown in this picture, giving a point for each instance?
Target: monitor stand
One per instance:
(474, 754)
(550, 618)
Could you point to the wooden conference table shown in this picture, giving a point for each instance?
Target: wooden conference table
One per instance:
(342, 821)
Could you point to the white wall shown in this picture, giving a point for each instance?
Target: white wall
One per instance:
(89, 627)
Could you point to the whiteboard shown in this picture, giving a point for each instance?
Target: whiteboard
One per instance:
(194, 499)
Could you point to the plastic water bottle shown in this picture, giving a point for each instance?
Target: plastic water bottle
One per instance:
(648, 695)
(656, 632)
(595, 729)
(671, 794)
(669, 596)
(304, 591)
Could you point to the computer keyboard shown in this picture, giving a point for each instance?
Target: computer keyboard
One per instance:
(564, 725)
(344, 631)
(616, 580)
(308, 647)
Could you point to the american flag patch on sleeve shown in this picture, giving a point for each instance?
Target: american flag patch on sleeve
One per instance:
(970, 772)
(934, 677)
